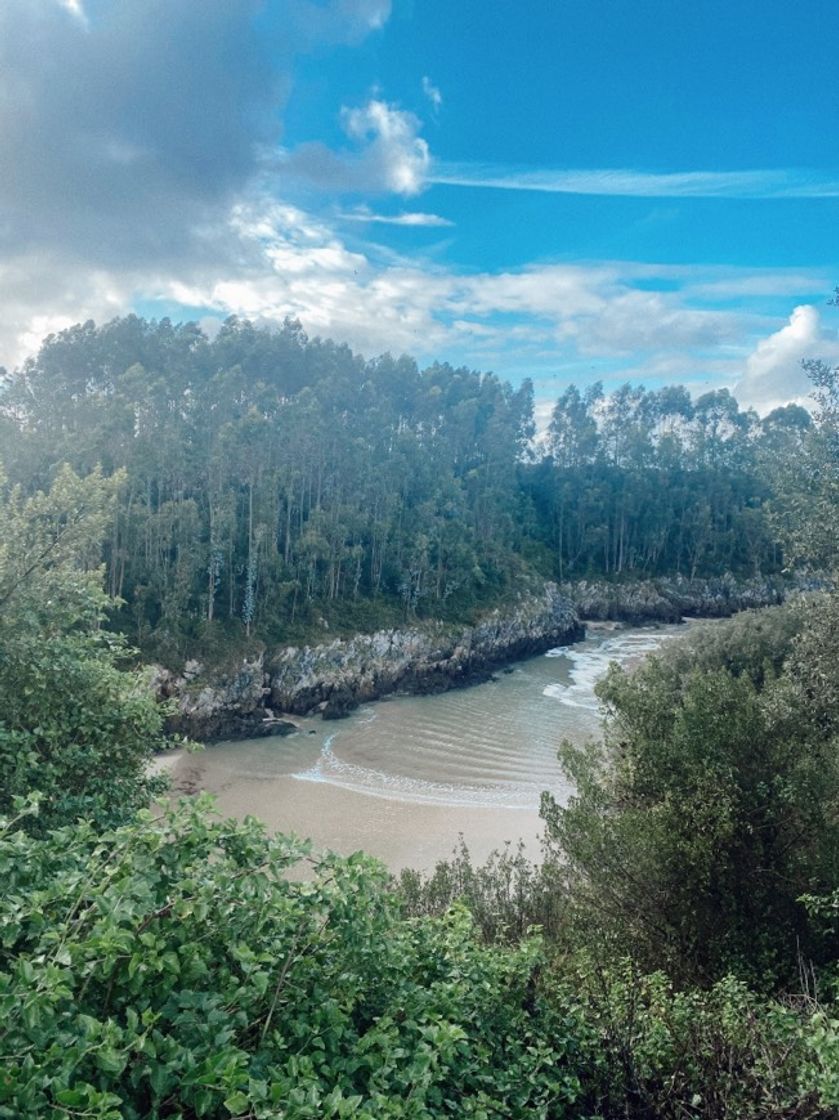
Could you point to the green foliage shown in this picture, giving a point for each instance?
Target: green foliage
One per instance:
(806, 483)
(263, 486)
(507, 896)
(724, 1054)
(755, 644)
(182, 967)
(652, 483)
(712, 806)
(73, 723)
(274, 482)
(174, 968)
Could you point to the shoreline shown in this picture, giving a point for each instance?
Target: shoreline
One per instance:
(372, 797)
(332, 679)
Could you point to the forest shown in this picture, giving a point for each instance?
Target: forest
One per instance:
(673, 955)
(269, 483)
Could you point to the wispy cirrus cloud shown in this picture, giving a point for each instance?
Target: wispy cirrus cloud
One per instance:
(409, 218)
(432, 93)
(754, 184)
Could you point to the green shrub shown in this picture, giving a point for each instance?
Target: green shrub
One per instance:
(75, 721)
(172, 968)
(712, 805)
(723, 1054)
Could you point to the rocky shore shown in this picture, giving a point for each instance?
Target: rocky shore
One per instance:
(637, 602)
(219, 705)
(333, 678)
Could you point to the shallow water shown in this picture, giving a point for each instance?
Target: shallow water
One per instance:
(401, 778)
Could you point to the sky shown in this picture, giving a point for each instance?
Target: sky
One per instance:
(570, 190)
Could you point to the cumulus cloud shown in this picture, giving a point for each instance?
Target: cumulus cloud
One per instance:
(42, 293)
(389, 154)
(128, 131)
(550, 316)
(295, 265)
(140, 165)
(395, 154)
(125, 128)
(773, 374)
(117, 136)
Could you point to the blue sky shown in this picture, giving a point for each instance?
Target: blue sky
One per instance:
(581, 189)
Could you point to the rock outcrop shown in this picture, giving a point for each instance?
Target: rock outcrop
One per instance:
(335, 678)
(670, 600)
(226, 706)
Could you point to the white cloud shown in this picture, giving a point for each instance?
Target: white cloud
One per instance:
(363, 214)
(630, 321)
(390, 154)
(42, 294)
(642, 184)
(432, 93)
(548, 315)
(270, 259)
(773, 375)
(293, 264)
(552, 291)
(773, 282)
(394, 149)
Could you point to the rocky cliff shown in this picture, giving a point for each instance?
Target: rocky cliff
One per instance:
(337, 677)
(219, 706)
(670, 600)
(334, 678)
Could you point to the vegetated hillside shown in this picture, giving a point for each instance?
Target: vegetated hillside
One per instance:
(169, 966)
(273, 482)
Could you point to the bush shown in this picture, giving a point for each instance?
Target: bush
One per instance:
(724, 1054)
(507, 896)
(712, 806)
(75, 721)
(171, 968)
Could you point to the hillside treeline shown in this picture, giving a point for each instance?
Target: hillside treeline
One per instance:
(272, 480)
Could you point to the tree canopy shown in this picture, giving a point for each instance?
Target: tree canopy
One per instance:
(76, 723)
(269, 480)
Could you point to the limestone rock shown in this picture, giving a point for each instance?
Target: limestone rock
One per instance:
(336, 677)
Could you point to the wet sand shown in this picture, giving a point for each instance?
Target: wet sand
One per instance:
(401, 833)
(403, 778)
